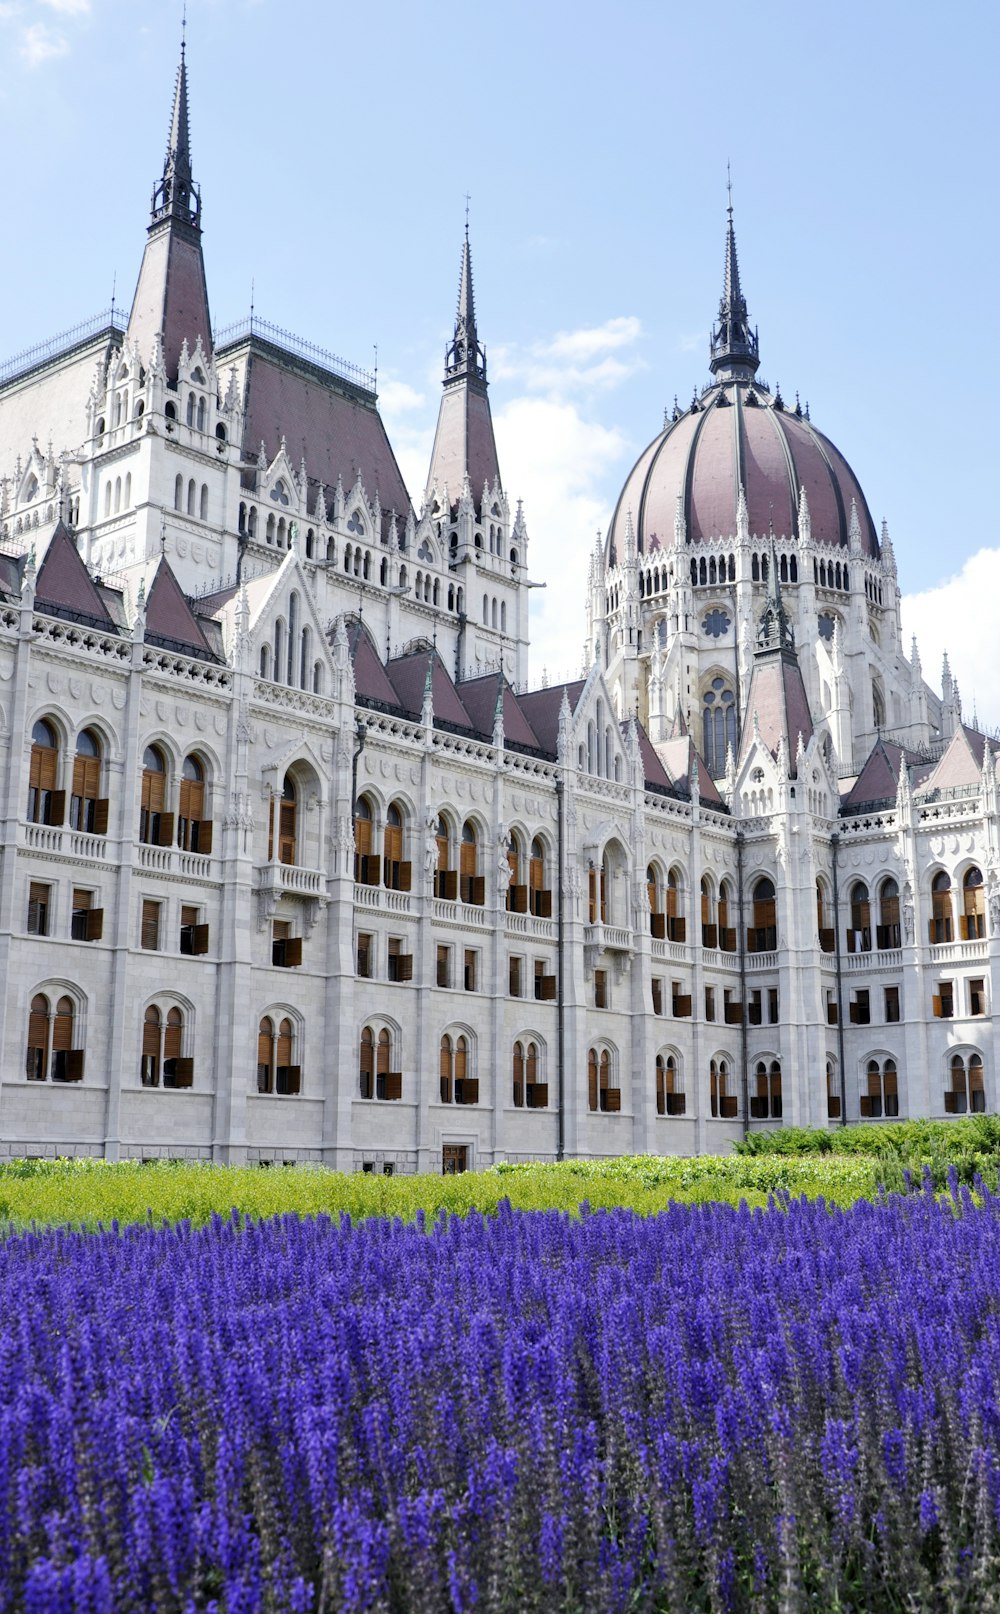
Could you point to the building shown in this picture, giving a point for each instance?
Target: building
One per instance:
(297, 867)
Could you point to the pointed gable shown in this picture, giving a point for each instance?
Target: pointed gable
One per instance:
(879, 778)
(541, 707)
(409, 677)
(371, 682)
(962, 762)
(676, 758)
(64, 587)
(170, 621)
(479, 697)
(777, 700)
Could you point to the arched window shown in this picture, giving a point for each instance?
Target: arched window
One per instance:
(539, 896)
(194, 830)
(676, 923)
(602, 1083)
(503, 616)
(722, 1099)
(941, 929)
(128, 490)
(727, 932)
(107, 499)
(203, 506)
(162, 1061)
(765, 1101)
(287, 824)
(832, 1093)
(859, 937)
(486, 610)
(669, 1098)
(445, 877)
(252, 522)
(51, 1037)
(518, 1074)
(377, 1080)
(279, 651)
(762, 937)
(654, 892)
(887, 932)
(880, 1092)
(396, 873)
(317, 680)
(528, 1090)
(201, 414)
(517, 889)
(118, 494)
(472, 885)
(973, 921)
(598, 883)
(276, 1072)
(265, 661)
(156, 827)
(178, 492)
(86, 809)
(965, 1092)
(46, 804)
(827, 939)
(446, 1069)
(190, 409)
(709, 927)
(878, 705)
(719, 723)
(367, 864)
(192, 496)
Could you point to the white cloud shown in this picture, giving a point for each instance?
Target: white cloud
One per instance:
(951, 617)
(559, 462)
(579, 346)
(68, 8)
(398, 397)
(40, 44)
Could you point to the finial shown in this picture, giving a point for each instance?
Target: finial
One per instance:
(733, 347)
(468, 199)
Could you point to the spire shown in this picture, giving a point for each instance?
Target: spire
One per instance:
(734, 354)
(774, 631)
(464, 357)
(170, 306)
(464, 445)
(177, 196)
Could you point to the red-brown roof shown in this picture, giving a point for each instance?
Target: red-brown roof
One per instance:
(170, 620)
(64, 584)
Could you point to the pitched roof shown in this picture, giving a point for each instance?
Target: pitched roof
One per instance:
(541, 707)
(777, 699)
(371, 682)
(408, 675)
(962, 761)
(479, 697)
(676, 756)
(879, 778)
(64, 587)
(170, 621)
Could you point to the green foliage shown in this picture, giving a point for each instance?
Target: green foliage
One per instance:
(90, 1193)
(970, 1146)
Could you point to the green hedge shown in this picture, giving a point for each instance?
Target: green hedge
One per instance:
(969, 1146)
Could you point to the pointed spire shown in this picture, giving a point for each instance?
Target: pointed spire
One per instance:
(177, 196)
(565, 720)
(805, 520)
(465, 357)
(774, 631)
(498, 734)
(427, 705)
(854, 529)
(915, 658)
(734, 354)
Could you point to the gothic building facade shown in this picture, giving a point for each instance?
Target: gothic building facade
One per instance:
(295, 864)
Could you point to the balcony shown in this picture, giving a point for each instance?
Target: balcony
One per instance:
(612, 938)
(281, 879)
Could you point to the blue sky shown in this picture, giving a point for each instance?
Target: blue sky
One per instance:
(335, 144)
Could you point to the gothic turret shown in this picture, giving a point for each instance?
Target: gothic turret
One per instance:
(777, 708)
(171, 296)
(734, 351)
(464, 446)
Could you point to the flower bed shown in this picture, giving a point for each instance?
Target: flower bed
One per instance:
(708, 1409)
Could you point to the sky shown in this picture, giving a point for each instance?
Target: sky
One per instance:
(335, 147)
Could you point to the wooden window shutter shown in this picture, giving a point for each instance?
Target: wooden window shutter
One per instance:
(199, 940)
(183, 1072)
(658, 925)
(393, 1081)
(592, 1078)
(265, 1043)
(548, 988)
(538, 1095)
(612, 1097)
(936, 1005)
(293, 951)
(680, 930)
(405, 876)
(517, 898)
(101, 816)
(172, 1036)
(95, 924)
(205, 836)
(518, 1074)
(477, 891)
(166, 835)
(57, 807)
(404, 967)
(73, 1071)
(293, 1079)
(62, 1027)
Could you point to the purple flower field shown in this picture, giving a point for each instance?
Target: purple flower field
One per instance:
(710, 1409)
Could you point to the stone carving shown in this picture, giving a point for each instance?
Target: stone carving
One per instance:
(908, 912)
(503, 864)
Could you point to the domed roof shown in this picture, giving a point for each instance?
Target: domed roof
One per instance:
(738, 434)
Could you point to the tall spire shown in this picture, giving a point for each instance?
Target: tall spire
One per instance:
(464, 445)
(464, 358)
(734, 352)
(177, 196)
(170, 306)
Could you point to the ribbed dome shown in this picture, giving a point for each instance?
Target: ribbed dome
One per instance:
(737, 436)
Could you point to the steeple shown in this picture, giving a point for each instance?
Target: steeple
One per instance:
(734, 354)
(464, 445)
(171, 296)
(464, 358)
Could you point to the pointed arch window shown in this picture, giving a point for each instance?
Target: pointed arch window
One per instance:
(880, 1090)
(194, 829)
(669, 1098)
(472, 885)
(276, 1071)
(832, 1093)
(162, 1061)
(657, 918)
(396, 872)
(51, 1037)
(722, 1099)
(765, 1101)
(941, 924)
(887, 932)
(287, 815)
(719, 725)
(973, 921)
(859, 936)
(676, 923)
(539, 896)
(46, 804)
(603, 1091)
(762, 936)
(445, 877)
(367, 863)
(156, 825)
(965, 1093)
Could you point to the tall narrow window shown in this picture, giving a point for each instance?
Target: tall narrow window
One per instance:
(367, 1063)
(194, 830)
(941, 916)
(37, 1053)
(765, 1102)
(973, 909)
(46, 804)
(762, 937)
(367, 865)
(287, 812)
(722, 1101)
(859, 937)
(265, 1055)
(880, 1093)
(887, 934)
(719, 724)
(446, 1069)
(657, 918)
(67, 1061)
(445, 877)
(539, 898)
(149, 1068)
(472, 885)
(87, 810)
(156, 826)
(518, 1074)
(727, 932)
(676, 924)
(396, 872)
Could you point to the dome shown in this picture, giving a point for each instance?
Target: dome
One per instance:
(738, 434)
